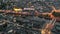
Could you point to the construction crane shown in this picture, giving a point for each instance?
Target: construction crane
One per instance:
(48, 27)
